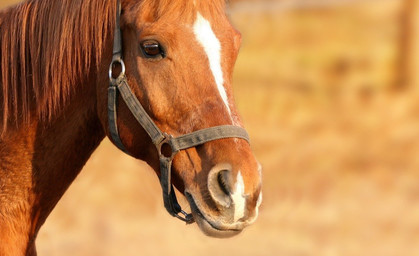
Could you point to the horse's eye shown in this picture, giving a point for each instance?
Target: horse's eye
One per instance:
(152, 49)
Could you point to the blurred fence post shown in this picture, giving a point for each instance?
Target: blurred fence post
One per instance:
(409, 45)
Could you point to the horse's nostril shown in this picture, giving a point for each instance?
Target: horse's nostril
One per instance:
(220, 184)
(222, 179)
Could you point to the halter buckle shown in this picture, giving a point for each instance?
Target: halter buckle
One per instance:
(188, 218)
(115, 61)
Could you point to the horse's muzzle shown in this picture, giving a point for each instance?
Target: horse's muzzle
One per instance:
(234, 210)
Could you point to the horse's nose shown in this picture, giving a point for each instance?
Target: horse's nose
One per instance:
(227, 190)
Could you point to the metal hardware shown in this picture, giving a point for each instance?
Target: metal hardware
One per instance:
(113, 79)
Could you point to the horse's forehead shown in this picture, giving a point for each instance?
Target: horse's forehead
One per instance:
(180, 11)
(212, 47)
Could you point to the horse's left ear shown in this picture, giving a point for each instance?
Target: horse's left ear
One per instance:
(128, 13)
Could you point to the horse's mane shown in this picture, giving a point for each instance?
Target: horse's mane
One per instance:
(47, 46)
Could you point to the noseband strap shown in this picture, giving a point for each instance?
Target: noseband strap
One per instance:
(119, 87)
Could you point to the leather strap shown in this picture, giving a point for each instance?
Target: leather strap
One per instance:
(205, 135)
(117, 39)
(112, 118)
(139, 112)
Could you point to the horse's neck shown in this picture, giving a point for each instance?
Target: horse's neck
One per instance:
(63, 146)
(37, 164)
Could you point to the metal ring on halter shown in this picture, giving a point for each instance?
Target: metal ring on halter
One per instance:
(166, 141)
(116, 61)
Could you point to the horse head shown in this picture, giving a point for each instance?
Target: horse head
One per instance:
(178, 61)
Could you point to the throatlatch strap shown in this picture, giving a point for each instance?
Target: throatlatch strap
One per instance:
(112, 118)
(112, 90)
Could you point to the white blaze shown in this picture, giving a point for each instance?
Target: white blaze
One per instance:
(209, 41)
(239, 198)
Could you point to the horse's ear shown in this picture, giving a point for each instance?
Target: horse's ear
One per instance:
(128, 12)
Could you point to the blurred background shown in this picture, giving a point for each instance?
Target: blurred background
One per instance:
(329, 92)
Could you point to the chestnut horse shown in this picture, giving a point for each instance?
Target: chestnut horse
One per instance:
(173, 61)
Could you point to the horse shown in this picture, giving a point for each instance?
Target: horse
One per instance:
(153, 76)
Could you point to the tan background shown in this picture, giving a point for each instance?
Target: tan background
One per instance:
(328, 92)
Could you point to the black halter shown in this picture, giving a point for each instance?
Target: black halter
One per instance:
(158, 138)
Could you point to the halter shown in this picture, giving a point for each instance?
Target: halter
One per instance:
(119, 86)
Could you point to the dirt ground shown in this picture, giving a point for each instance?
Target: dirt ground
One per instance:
(337, 135)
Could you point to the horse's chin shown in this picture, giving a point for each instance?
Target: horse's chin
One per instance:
(211, 227)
